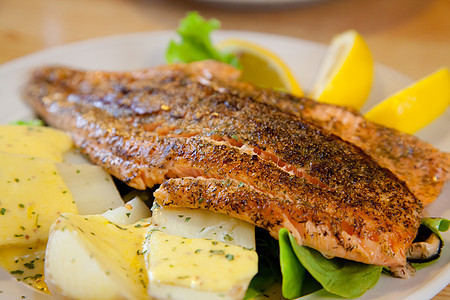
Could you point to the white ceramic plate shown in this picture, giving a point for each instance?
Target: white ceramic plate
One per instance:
(140, 50)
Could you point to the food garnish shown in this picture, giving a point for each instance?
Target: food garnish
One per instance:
(348, 279)
(195, 42)
(428, 233)
(417, 105)
(258, 65)
(345, 77)
(261, 66)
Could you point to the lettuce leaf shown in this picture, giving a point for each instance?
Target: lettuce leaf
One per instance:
(195, 44)
(338, 276)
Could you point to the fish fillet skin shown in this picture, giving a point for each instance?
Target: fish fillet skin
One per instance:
(423, 168)
(181, 121)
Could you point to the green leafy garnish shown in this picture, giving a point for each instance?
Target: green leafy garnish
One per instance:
(348, 279)
(195, 44)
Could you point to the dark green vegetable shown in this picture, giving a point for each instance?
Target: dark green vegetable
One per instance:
(268, 266)
(292, 270)
(297, 282)
(434, 225)
(338, 276)
(195, 44)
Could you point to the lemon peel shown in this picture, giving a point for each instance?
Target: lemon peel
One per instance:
(414, 107)
(261, 66)
(345, 76)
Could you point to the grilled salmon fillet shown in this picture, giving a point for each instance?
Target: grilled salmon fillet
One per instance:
(243, 157)
(423, 168)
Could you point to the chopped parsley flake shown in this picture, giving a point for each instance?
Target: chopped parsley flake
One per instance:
(34, 276)
(37, 220)
(227, 237)
(2, 211)
(29, 265)
(229, 256)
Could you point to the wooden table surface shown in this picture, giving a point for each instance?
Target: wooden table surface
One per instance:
(412, 36)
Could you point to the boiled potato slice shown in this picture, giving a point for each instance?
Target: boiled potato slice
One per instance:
(90, 257)
(132, 212)
(197, 254)
(196, 223)
(93, 189)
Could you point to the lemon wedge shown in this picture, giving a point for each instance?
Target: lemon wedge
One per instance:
(345, 76)
(261, 66)
(415, 106)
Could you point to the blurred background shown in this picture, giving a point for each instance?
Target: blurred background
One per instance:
(412, 36)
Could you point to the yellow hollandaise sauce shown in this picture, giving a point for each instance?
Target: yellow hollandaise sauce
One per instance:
(26, 264)
(207, 265)
(32, 196)
(34, 141)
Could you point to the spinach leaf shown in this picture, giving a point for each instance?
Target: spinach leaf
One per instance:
(338, 276)
(268, 267)
(263, 280)
(435, 225)
(297, 281)
(195, 42)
